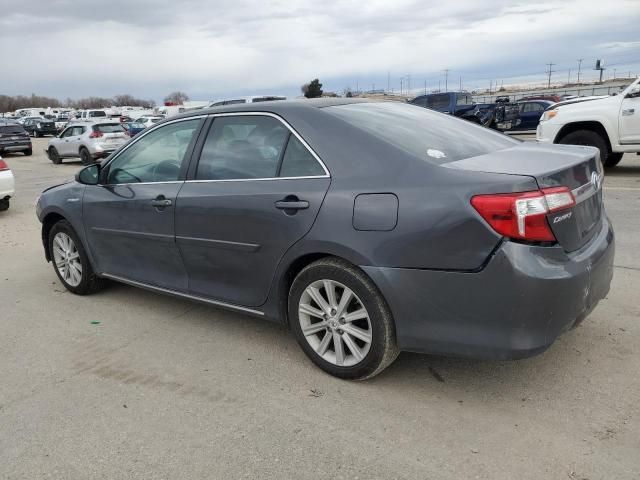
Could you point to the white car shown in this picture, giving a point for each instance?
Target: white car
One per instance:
(147, 121)
(7, 185)
(87, 140)
(611, 124)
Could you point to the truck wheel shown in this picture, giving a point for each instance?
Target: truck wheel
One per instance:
(591, 139)
(4, 204)
(614, 159)
(54, 156)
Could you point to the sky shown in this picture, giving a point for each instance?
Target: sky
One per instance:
(223, 48)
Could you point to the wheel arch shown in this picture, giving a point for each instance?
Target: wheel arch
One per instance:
(592, 125)
(49, 220)
(293, 265)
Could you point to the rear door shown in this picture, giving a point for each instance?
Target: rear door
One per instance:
(129, 218)
(255, 191)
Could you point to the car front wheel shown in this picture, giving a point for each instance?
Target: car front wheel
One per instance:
(70, 260)
(341, 320)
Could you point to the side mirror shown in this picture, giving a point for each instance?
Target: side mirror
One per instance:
(89, 175)
(634, 92)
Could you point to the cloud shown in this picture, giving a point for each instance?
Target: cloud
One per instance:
(212, 49)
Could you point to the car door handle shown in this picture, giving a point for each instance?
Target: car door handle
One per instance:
(161, 202)
(629, 111)
(292, 204)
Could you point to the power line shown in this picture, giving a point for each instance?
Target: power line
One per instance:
(579, 65)
(550, 72)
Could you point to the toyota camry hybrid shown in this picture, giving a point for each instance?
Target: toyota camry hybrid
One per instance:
(368, 228)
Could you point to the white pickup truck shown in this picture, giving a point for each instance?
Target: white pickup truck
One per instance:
(612, 124)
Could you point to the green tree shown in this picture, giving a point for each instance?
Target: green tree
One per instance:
(312, 89)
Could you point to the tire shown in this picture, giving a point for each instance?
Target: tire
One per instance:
(37, 134)
(28, 152)
(614, 159)
(592, 139)
(4, 204)
(85, 156)
(54, 156)
(321, 332)
(81, 283)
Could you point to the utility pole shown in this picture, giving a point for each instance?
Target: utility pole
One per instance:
(425, 87)
(579, 65)
(438, 85)
(550, 72)
(460, 83)
(446, 79)
(409, 83)
(388, 81)
(614, 73)
(569, 77)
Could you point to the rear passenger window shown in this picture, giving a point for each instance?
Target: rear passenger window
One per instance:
(242, 147)
(298, 161)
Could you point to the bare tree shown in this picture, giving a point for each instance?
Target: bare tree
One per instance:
(177, 98)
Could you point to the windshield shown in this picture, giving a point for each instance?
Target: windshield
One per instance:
(425, 134)
(11, 129)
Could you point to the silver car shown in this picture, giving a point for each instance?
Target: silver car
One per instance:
(87, 140)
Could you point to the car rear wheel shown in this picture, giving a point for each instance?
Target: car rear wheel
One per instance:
(85, 156)
(591, 139)
(70, 260)
(37, 135)
(54, 156)
(28, 152)
(341, 320)
(4, 204)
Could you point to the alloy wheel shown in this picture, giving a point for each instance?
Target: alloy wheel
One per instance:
(335, 323)
(67, 259)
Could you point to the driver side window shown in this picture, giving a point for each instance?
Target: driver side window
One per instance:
(156, 157)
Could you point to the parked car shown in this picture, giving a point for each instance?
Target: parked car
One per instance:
(611, 124)
(7, 185)
(39, 127)
(134, 128)
(21, 120)
(91, 114)
(459, 104)
(529, 113)
(88, 141)
(61, 121)
(466, 243)
(248, 99)
(14, 138)
(549, 98)
(147, 121)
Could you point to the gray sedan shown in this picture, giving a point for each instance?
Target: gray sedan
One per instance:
(366, 227)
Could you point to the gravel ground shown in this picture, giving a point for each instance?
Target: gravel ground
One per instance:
(163, 388)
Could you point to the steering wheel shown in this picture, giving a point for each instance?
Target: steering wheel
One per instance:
(166, 170)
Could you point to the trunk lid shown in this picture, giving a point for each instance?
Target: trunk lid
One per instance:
(575, 167)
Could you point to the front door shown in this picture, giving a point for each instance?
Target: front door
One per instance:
(130, 217)
(256, 191)
(630, 121)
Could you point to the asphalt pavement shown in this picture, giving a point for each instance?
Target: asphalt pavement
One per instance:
(132, 384)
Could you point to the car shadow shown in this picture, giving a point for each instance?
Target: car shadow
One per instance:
(411, 373)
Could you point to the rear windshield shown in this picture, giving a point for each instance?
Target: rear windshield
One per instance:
(109, 128)
(98, 113)
(423, 133)
(11, 129)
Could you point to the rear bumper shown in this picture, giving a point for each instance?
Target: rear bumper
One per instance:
(514, 308)
(15, 147)
(7, 184)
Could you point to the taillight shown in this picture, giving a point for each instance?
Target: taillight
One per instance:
(522, 215)
(96, 134)
(3, 166)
